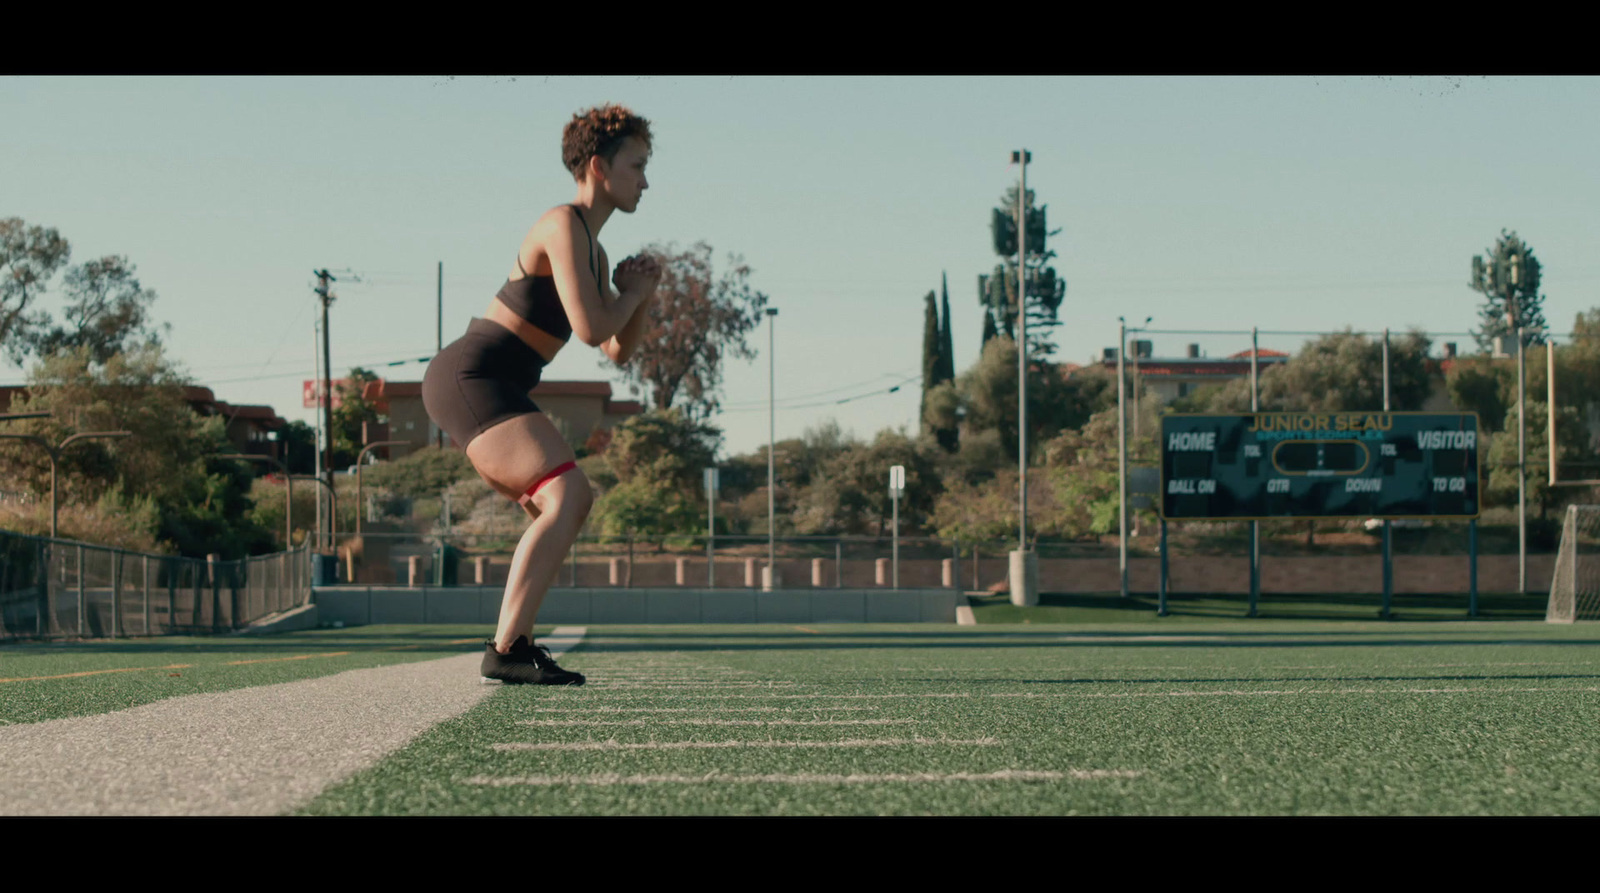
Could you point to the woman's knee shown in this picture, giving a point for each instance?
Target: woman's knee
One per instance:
(569, 496)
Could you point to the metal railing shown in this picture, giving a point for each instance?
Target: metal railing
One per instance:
(55, 588)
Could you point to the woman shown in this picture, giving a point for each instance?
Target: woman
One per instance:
(476, 389)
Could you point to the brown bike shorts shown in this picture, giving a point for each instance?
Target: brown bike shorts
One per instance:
(480, 380)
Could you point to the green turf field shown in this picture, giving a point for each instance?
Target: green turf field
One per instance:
(1178, 716)
(1232, 718)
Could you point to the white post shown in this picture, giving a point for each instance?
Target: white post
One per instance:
(712, 483)
(897, 485)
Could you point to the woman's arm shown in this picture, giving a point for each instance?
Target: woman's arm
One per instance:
(638, 274)
(594, 318)
(620, 347)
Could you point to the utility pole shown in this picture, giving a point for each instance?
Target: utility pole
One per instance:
(323, 292)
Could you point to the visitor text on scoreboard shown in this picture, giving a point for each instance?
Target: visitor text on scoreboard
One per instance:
(1264, 465)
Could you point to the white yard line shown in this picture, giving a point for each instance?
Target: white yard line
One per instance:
(801, 778)
(707, 745)
(264, 750)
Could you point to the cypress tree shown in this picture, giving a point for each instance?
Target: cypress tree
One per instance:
(931, 361)
(947, 354)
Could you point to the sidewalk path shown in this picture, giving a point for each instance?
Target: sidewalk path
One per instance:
(253, 751)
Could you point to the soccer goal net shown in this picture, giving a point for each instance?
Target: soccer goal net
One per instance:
(1575, 588)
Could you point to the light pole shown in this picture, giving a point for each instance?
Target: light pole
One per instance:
(1021, 159)
(288, 493)
(1024, 563)
(771, 580)
(1499, 278)
(55, 457)
(1522, 429)
(333, 504)
(1122, 453)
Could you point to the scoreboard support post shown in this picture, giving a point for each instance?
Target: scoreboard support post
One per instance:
(1388, 570)
(1472, 568)
(1161, 590)
(1255, 526)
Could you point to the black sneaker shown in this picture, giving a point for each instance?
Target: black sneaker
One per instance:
(525, 664)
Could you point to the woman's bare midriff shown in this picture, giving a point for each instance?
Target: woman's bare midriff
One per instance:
(544, 343)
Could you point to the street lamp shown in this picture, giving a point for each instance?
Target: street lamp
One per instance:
(771, 580)
(55, 457)
(333, 505)
(288, 501)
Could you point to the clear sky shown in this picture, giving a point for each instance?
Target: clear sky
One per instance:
(1288, 203)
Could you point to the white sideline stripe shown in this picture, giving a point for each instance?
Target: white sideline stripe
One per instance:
(704, 745)
(700, 709)
(1147, 694)
(1480, 689)
(263, 750)
(801, 778)
(715, 722)
(680, 696)
(750, 683)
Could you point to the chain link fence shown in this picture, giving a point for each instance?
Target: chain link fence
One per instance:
(52, 588)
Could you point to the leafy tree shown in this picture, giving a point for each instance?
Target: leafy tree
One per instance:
(697, 319)
(1082, 467)
(1508, 276)
(1338, 372)
(1045, 290)
(349, 417)
(1481, 385)
(861, 479)
(169, 460)
(985, 397)
(300, 447)
(107, 311)
(424, 473)
(978, 513)
(29, 256)
(657, 457)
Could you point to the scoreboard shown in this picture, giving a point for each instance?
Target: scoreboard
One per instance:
(1285, 465)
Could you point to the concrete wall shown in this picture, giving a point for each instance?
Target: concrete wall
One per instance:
(1434, 574)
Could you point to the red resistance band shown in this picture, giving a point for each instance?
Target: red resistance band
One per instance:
(558, 471)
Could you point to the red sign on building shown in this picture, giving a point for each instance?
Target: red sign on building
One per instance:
(309, 395)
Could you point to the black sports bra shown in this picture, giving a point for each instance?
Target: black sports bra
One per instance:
(535, 299)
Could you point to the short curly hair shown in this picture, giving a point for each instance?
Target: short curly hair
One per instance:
(599, 131)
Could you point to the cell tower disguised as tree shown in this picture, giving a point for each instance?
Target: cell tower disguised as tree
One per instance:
(1508, 278)
(997, 292)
